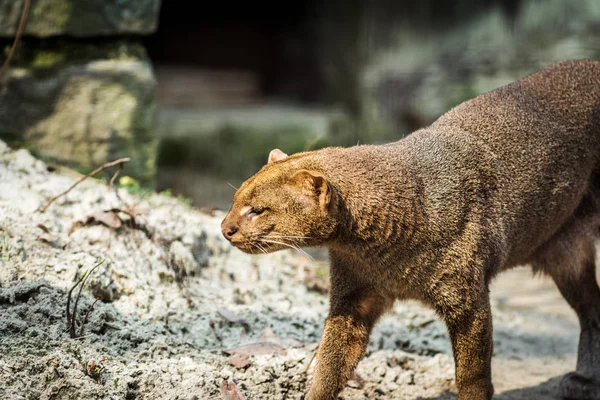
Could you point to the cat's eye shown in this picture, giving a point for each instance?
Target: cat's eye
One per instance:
(255, 211)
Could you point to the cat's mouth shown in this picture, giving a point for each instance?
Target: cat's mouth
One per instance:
(268, 242)
(260, 245)
(256, 246)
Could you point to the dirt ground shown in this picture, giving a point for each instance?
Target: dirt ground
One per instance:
(182, 315)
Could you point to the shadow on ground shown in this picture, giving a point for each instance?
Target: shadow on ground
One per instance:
(547, 390)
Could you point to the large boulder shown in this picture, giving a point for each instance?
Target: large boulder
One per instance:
(80, 18)
(83, 105)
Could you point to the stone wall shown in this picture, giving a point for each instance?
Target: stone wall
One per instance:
(80, 18)
(76, 91)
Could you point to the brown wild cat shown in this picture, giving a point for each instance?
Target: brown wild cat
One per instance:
(511, 177)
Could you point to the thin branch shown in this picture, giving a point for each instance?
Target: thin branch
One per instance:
(76, 306)
(116, 174)
(69, 319)
(130, 213)
(72, 316)
(112, 182)
(83, 280)
(85, 318)
(120, 161)
(20, 28)
(311, 360)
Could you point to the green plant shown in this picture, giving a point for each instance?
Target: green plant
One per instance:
(131, 184)
(169, 193)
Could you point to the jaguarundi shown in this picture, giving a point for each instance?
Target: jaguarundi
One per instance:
(508, 178)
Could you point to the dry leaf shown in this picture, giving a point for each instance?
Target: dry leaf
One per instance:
(46, 236)
(268, 334)
(209, 210)
(108, 218)
(230, 392)
(232, 317)
(256, 349)
(267, 343)
(239, 360)
(43, 227)
(76, 225)
(357, 382)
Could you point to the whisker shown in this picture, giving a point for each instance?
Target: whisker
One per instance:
(281, 235)
(261, 248)
(304, 252)
(231, 185)
(290, 246)
(276, 242)
(288, 237)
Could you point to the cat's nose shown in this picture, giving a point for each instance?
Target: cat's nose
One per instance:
(229, 231)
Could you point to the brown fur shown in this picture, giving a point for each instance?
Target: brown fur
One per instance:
(508, 178)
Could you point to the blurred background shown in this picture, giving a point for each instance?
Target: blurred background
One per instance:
(198, 93)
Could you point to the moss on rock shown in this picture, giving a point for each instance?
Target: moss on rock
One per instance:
(83, 105)
(81, 18)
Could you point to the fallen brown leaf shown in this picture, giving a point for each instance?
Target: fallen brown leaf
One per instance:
(232, 317)
(108, 218)
(268, 334)
(44, 228)
(230, 392)
(76, 225)
(256, 349)
(239, 360)
(47, 236)
(209, 210)
(357, 381)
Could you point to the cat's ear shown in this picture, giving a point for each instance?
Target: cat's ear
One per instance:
(276, 155)
(315, 185)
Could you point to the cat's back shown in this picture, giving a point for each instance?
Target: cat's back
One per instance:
(557, 105)
(542, 138)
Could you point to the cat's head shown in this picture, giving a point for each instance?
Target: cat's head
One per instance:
(288, 203)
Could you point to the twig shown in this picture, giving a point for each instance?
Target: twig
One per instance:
(115, 175)
(85, 318)
(129, 213)
(72, 316)
(112, 182)
(311, 360)
(120, 161)
(69, 319)
(83, 280)
(18, 33)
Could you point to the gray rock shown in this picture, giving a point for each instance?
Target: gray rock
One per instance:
(80, 18)
(23, 160)
(84, 105)
(199, 247)
(3, 147)
(182, 259)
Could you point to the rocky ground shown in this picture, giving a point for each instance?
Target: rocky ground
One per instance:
(173, 312)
